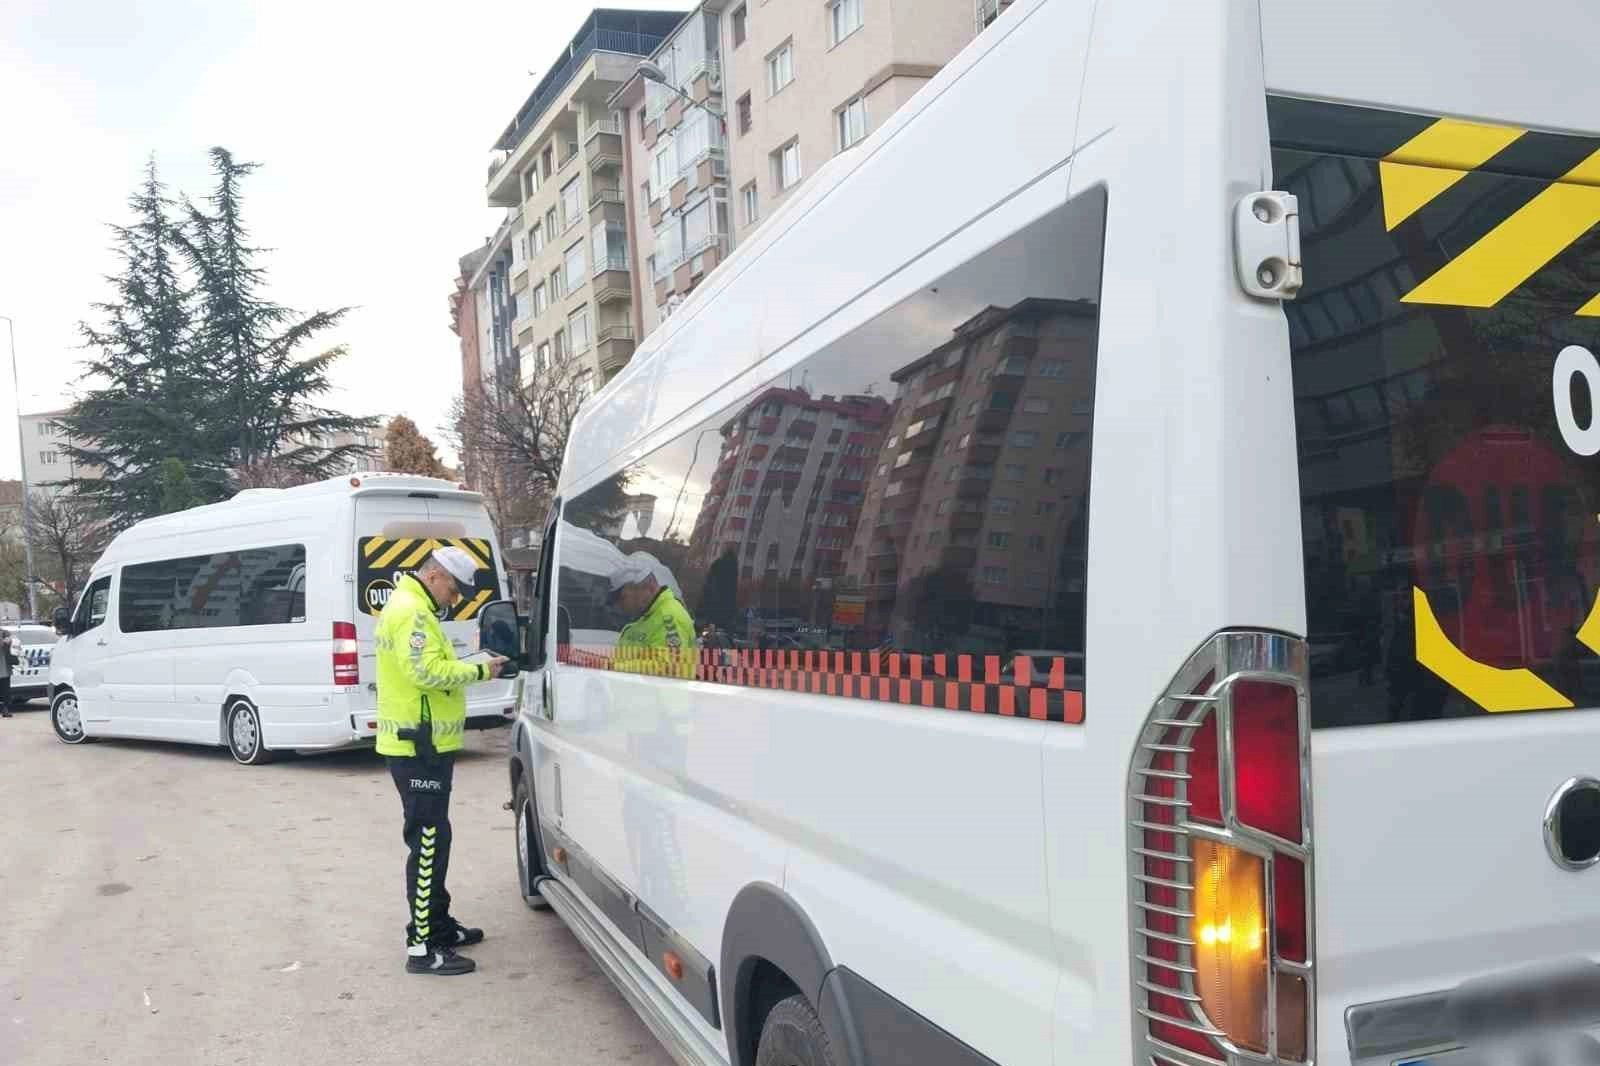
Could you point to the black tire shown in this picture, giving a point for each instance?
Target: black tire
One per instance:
(66, 719)
(793, 1036)
(241, 727)
(530, 852)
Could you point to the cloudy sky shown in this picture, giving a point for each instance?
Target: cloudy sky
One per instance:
(373, 125)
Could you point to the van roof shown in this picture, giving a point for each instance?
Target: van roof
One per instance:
(278, 504)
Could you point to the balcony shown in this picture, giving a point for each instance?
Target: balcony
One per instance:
(959, 557)
(612, 281)
(967, 520)
(614, 347)
(604, 146)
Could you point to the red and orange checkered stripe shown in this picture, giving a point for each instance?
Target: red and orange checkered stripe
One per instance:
(946, 682)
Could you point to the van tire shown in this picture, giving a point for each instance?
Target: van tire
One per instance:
(66, 704)
(793, 1035)
(530, 855)
(241, 728)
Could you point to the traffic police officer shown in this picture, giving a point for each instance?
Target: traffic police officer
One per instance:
(660, 639)
(422, 711)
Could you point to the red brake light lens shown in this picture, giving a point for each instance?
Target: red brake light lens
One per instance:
(1266, 754)
(346, 654)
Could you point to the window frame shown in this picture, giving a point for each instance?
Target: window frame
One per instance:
(855, 105)
(784, 50)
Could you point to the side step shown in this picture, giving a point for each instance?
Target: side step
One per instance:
(686, 1046)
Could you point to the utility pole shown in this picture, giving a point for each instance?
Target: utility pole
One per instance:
(27, 504)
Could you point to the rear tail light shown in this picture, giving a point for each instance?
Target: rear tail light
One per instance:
(346, 654)
(1221, 859)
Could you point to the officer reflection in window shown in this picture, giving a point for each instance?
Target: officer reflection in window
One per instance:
(659, 639)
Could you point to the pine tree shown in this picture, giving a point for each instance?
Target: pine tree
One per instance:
(144, 411)
(265, 414)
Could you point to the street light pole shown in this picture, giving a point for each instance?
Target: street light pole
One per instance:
(22, 460)
(651, 72)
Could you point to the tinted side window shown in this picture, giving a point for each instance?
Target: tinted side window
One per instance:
(1452, 553)
(93, 604)
(842, 529)
(257, 586)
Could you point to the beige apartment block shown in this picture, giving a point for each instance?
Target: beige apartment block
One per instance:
(676, 165)
(806, 80)
(558, 171)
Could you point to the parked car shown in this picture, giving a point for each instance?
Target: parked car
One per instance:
(33, 644)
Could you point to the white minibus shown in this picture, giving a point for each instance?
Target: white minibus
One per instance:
(1138, 515)
(249, 623)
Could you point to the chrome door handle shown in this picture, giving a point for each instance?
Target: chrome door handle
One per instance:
(549, 701)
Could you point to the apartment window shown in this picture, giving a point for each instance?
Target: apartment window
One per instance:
(741, 25)
(610, 246)
(544, 356)
(541, 298)
(1002, 505)
(1036, 542)
(558, 344)
(531, 181)
(1024, 438)
(556, 291)
(943, 508)
(994, 575)
(745, 118)
(786, 166)
(574, 266)
(752, 206)
(1015, 472)
(1044, 507)
(550, 225)
(549, 159)
(972, 408)
(48, 458)
(1051, 475)
(571, 202)
(852, 122)
(999, 540)
(1053, 368)
(1064, 440)
(780, 68)
(844, 18)
(536, 239)
(1036, 405)
(578, 329)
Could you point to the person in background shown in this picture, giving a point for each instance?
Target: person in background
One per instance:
(6, 654)
(422, 713)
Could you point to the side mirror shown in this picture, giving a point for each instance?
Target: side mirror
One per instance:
(499, 632)
(62, 621)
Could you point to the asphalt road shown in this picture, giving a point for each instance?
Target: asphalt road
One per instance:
(165, 906)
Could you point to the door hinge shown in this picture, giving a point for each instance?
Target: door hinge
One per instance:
(1266, 245)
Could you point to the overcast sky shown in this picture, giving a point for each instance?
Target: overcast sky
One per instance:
(373, 124)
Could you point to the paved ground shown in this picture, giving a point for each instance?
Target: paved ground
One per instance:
(166, 906)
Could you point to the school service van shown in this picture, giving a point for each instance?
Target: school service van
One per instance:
(1151, 493)
(250, 623)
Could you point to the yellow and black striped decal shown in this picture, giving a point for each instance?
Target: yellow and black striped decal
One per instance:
(1448, 407)
(382, 561)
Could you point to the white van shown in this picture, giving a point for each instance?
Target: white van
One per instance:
(1022, 372)
(249, 623)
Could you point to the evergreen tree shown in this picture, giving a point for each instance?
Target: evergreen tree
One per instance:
(144, 411)
(265, 413)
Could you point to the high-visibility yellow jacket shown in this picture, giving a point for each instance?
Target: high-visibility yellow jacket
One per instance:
(660, 641)
(417, 670)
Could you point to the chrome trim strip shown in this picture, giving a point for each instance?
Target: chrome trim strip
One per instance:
(676, 1034)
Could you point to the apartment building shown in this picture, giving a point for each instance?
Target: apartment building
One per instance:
(46, 465)
(808, 80)
(752, 96)
(558, 172)
(675, 165)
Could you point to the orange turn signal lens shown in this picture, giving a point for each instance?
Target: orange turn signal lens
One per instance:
(1230, 934)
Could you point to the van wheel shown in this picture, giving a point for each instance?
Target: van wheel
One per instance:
(530, 860)
(66, 719)
(242, 724)
(793, 1036)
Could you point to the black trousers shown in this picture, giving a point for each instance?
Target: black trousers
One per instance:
(424, 786)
